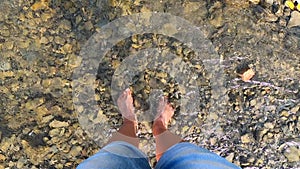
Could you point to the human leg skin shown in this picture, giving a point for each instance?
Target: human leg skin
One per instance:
(127, 131)
(164, 139)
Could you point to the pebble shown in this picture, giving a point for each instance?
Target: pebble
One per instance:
(39, 5)
(6, 74)
(284, 113)
(5, 32)
(59, 40)
(65, 25)
(32, 104)
(292, 154)
(2, 157)
(270, 2)
(75, 151)
(44, 40)
(295, 109)
(294, 20)
(21, 162)
(4, 66)
(255, 1)
(46, 119)
(58, 124)
(269, 125)
(253, 102)
(246, 138)
(230, 157)
(88, 25)
(9, 45)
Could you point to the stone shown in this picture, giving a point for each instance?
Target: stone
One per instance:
(284, 113)
(4, 66)
(292, 154)
(44, 40)
(46, 16)
(246, 138)
(253, 102)
(46, 119)
(6, 144)
(65, 25)
(32, 104)
(295, 109)
(191, 7)
(67, 48)
(6, 74)
(89, 25)
(269, 2)
(2, 157)
(169, 29)
(217, 20)
(5, 32)
(43, 4)
(9, 45)
(269, 125)
(75, 151)
(21, 162)
(59, 40)
(58, 124)
(295, 19)
(255, 1)
(74, 61)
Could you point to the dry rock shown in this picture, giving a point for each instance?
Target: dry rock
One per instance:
(230, 157)
(255, 1)
(57, 124)
(295, 19)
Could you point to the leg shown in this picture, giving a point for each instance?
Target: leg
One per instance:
(163, 137)
(117, 155)
(188, 155)
(127, 131)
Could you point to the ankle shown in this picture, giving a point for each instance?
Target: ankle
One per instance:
(158, 127)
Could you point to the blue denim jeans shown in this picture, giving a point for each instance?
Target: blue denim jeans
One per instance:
(122, 155)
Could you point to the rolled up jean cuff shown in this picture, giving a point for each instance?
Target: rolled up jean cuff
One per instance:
(117, 155)
(191, 156)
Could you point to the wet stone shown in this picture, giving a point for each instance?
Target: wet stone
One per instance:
(292, 154)
(247, 138)
(58, 124)
(65, 25)
(75, 151)
(5, 65)
(59, 40)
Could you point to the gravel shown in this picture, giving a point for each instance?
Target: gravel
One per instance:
(259, 125)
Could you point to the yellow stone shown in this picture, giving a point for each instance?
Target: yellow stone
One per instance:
(2, 157)
(6, 74)
(74, 61)
(43, 4)
(57, 124)
(245, 138)
(184, 129)
(32, 104)
(289, 4)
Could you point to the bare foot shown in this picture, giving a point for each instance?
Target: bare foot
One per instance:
(163, 137)
(125, 105)
(164, 114)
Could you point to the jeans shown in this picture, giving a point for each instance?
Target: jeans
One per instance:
(122, 155)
